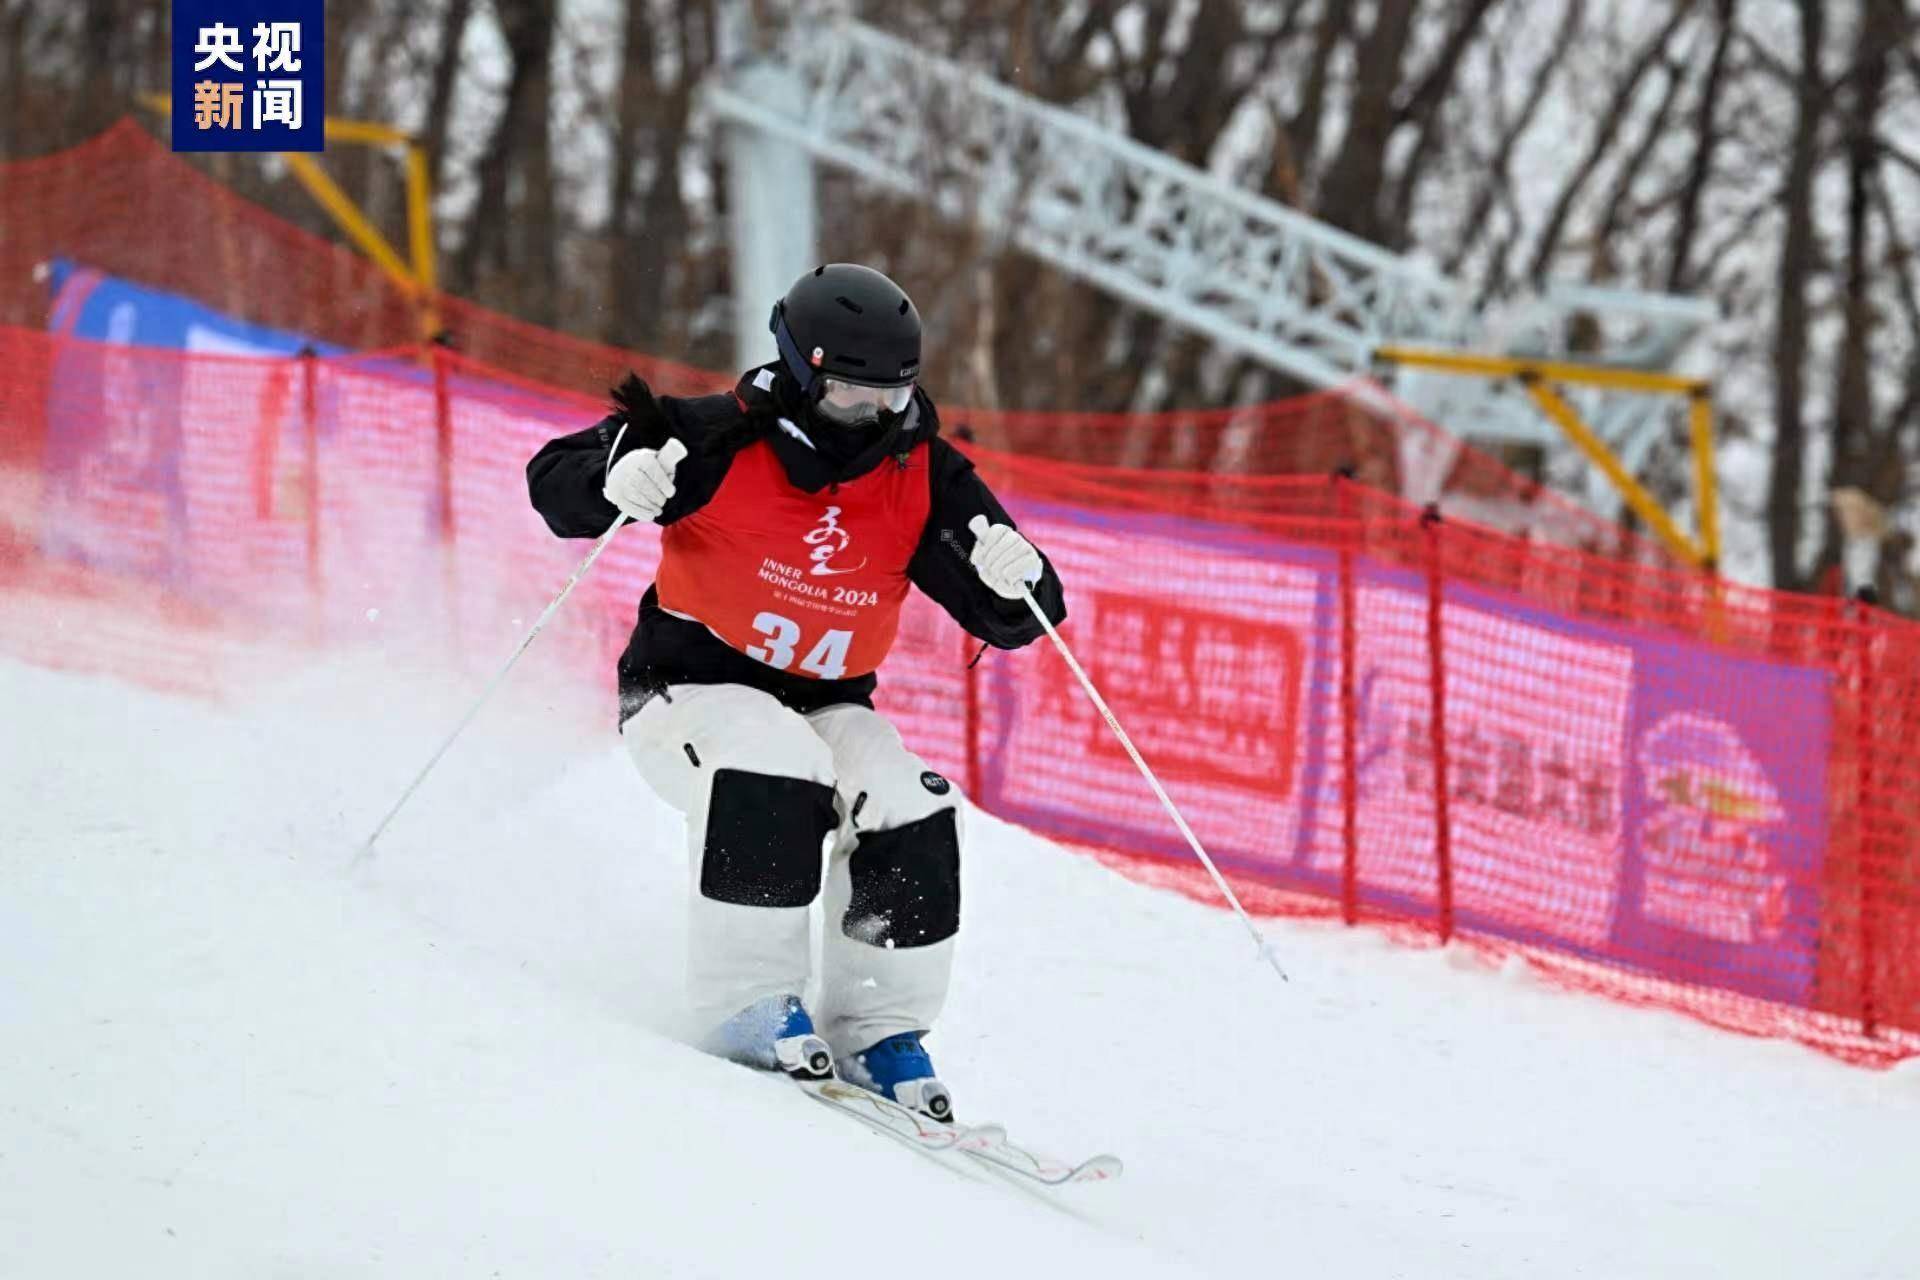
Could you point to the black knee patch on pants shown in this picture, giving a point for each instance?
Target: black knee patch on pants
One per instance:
(906, 884)
(763, 839)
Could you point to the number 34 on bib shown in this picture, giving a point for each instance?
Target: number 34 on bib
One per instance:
(826, 659)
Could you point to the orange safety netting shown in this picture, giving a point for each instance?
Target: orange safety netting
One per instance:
(102, 205)
(1675, 791)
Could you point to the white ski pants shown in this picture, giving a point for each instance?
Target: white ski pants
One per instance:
(767, 792)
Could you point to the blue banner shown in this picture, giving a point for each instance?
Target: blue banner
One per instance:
(91, 304)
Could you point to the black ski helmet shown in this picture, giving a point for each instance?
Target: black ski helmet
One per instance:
(848, 322)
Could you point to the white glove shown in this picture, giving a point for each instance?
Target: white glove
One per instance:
(1005, 561)
(641, 483)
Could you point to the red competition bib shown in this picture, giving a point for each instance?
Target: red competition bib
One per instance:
(809, 583)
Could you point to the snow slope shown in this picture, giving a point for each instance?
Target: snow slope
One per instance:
(222, 1054)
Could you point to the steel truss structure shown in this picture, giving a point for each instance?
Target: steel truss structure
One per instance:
(1247, 272)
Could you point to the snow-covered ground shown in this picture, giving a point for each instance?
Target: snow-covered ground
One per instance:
(224, 1054)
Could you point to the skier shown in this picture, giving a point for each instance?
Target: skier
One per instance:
(796, 510)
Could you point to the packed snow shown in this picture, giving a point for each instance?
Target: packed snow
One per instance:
(226, 1052)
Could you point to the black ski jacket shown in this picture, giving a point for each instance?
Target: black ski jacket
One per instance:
(566, 478)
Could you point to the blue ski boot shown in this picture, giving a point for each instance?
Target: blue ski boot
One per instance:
(774, 1034)
(898, 1068)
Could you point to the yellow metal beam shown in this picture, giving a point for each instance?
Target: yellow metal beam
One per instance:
(420, 217)
(1585, 375)
(1643, 503)
(369, 132)
(1706, 489)
(420, 235)
(337, 203)
(421, 277)
(1536, 375)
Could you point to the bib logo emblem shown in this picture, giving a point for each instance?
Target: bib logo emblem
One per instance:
(828, 540)
(935, 783)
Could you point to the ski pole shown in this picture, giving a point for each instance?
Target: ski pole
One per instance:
(366, 850)
(1193, 841)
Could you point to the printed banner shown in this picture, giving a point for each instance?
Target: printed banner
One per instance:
(85, 303)
(1725, 815)
(1208, 669)
(1610, 792)
(1535, 726)
(1631, 797)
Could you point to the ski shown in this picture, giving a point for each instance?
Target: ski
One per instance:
(986, 1144)
(885, 1115)
(989, 1144)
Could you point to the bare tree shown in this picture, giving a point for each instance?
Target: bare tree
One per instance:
(1612, 118)
(1422, 110)
(1417, 123)
(1865, 456)
(1303, 131)
(1496, 175)
(15, 27)
(449, 36)
(1349, 194)
(649, 223)
(1797, 253)
(503, 231)
(1706, 140)
(101, 24)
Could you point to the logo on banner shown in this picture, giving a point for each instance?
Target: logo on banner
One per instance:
(1707, 841)
(248, 75)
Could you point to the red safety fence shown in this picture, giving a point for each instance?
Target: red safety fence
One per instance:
(1685, 793)
(124, 204)
(97, 206)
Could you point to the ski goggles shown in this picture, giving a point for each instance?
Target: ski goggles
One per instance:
(845, 398)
